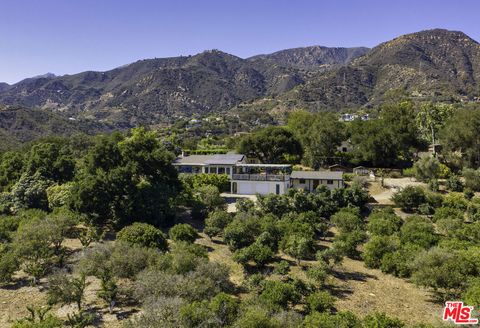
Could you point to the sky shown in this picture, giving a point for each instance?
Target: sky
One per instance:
(70, 36)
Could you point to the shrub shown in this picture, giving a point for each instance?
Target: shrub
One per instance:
(346, 243)
(408, 172)
(245, 205)
(278, 294)
(241, 232)
(426, 168)
(383, 223)
(209, 196)
(418, 231)
(376, 320)
(376, 248)
(258, 253)
(410, 198)
(454, 183)
(472, 179)
(59, 195)
(298, 246)
(347, 220)
(326, 320)
(433, 185)
(320, 301)
(8, 265)
(143, 234)
(65, 290)
(30, 192)
(183, 232)
(216, 222)
(399, 262)
(455, 200)
(282, 268)
(318, 272)
(225, 308)
(471, 296)
(447, 213)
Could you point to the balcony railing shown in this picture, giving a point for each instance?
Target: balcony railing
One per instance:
(260, 177)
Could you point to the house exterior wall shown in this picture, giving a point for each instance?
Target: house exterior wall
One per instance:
(312, 184)
(243, 187)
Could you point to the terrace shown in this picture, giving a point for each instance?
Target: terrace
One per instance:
(262, 172)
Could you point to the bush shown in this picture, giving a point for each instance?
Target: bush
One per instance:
(433, 185)
(216, 222)
(455, 200)
(143, 234)
(241, 232)
(383, 223)
(318, 273)
(59, 195)
(408, 172)
(472, 295)
(472, 179)
(347, 220)
(258, 253)
(320, 301)
(346, 243)
(399, 262)
(282, 268)
(338, 320)
(376, 248)
(426, 168)
(418, 231)
(447, 213)
(298, 246)
(245, 205)
(183, 232)
(30, 192)
(278, 294)
(377, 320)
(225, 308)
(454, 183)
(410, 198)
(8, 265)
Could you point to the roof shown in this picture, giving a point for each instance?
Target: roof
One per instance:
(317, 175)
(221, 159)
(264, 165)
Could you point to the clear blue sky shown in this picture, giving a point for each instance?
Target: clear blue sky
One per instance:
(69, 36)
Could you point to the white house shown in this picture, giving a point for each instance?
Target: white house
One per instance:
(254, 178)
(251, 179)
(310, 180)
(218, 163)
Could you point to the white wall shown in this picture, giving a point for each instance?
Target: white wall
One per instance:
(308, 185)
(259, 187)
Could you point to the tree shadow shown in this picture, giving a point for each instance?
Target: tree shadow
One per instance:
(356, 276)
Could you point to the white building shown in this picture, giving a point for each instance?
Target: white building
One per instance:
(310, 180)
(218, 163)
(252, 179)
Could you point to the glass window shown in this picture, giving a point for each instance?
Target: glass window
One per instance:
(302, 181)
(228, 170)
(329, 182)
(221, 170)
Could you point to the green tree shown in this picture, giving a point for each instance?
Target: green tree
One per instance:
(65, 290)
(376, 248)
(143, 234)
(431, 118)
(126, 178)
(216, 222)
(377, 320)
(320, 301)
(410, 198)
(271, 145)
(427, 168)
(183, 232)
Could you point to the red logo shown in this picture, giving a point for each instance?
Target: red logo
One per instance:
(458, 313)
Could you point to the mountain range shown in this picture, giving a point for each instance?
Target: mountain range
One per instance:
(433, 64)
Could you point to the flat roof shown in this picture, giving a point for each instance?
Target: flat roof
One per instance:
(263, 165)
(219, 159)
(317, 175)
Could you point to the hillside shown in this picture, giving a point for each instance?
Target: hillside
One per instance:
(434, 63)
(313, 58)
(19, 125)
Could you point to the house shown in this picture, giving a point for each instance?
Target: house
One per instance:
(218, 163)
(361, 170)
(348, 117)
(310, 180)
(263, 179)
(248, 178)
(345, 147)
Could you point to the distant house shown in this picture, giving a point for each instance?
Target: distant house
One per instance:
(361, 170)
(310, 180)
(338, 167)
(349, 117)
(218, 163)
(263, 179)
(345, 147)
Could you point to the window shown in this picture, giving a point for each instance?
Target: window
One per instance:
(228, 170)
(302, 181)
(330, 182)
(344, 149)
(221, 170)
(277, 189)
